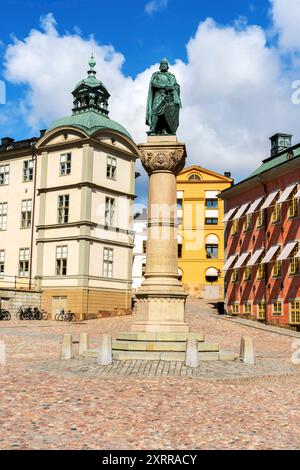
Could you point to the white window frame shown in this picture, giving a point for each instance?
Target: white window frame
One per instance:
(24, 262)
(3, 215)
(111, 167)
(108, 262)
(110, 209)
(27, 170)
(4, 174)
(63, 209)
(61, 258)
(26, 209)
(65, 164)
(2, 263)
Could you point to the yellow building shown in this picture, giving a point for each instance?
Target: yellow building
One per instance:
(201, 230)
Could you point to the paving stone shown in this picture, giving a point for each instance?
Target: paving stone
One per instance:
(76, 404)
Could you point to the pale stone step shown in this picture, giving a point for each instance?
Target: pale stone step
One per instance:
(227, 356)
(148, 356)
(179, 346)
(164, 356)
(153, 336)
(208, 356)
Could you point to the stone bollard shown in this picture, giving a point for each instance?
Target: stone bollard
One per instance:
(105, 350)
(67, 347)
(83, 343)
(191, 354)
(247, 352)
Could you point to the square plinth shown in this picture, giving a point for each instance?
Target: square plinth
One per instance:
(164, 314)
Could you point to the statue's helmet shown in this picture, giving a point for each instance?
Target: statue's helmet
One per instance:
(164, 62)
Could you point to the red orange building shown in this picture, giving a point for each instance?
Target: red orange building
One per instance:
(262, 239)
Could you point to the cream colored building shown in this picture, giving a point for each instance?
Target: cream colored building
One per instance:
(66, 209)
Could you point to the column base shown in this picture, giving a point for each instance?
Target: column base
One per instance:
(160, 313)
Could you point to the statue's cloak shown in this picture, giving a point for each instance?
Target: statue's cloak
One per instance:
(151, 94)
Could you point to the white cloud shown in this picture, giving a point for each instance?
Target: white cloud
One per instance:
(155, 5)
(234, 92)
(286, 19)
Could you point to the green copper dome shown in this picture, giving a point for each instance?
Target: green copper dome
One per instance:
(89, 121)
(90, 107)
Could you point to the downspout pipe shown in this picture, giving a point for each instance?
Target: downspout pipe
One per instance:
(265, 248)
(34, 159)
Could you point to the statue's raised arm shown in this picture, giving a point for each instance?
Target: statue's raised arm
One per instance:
(163, 104)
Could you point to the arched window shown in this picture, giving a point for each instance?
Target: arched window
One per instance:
(194, 177)
(211, 275)
(212, 246)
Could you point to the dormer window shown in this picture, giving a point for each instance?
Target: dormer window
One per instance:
(194, 177)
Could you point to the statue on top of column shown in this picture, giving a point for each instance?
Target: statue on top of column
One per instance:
(163, 103)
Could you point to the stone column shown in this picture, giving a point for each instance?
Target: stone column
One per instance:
(161, 297)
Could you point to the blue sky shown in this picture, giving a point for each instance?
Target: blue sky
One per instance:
(143, 38)
(236, 61)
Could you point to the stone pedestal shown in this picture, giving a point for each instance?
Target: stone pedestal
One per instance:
(161, 297)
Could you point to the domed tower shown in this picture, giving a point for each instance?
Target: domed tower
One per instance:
(85, 192)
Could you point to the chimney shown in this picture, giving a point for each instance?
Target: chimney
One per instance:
(7, 140)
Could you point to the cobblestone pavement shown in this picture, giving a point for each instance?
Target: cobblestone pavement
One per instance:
(48, 404)
(206, 370)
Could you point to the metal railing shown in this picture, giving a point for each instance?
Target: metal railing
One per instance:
(17, 282)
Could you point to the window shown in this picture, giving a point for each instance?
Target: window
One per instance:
(235, 275)
(61, 260)
(248, 223)
(211, 203)
(28, 170)
(111, 168)
(248, 309)
(65, 164)
(261, 311)
(295, 312)
(143, 269)
(108, 262)
(235, 309)
(194, 177)
(295, 261)
(23, 262)
(211, 251)
(261, 272)
(248, 273)
(179, 204)
(235, 227)
(276, 271)
(293, 207)
(260, 218)
(179, 250)
(26, 208)
(3, 215)
(109, 211)
(2, 262)
(144, 246)
(4, 174)
(63, 208)
(277, 308)
(211, 220)
(276, 211)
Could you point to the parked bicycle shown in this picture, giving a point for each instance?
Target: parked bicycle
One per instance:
(29, 313)
(4, 314)
(64, 315)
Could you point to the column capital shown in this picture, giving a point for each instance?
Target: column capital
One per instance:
(161, 154)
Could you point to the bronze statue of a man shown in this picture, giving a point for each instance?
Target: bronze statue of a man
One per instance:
(163, 102)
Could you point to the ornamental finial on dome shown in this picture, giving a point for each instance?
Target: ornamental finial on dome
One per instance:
(92, 63)
(90, 94)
